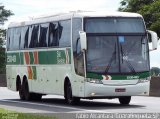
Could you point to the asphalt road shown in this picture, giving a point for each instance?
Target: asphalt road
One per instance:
(56, 104)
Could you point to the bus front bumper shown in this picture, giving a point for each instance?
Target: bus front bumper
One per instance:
(93, 90)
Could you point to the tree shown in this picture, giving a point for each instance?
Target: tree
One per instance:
(155, 71)
(4, 14)
(150, 9)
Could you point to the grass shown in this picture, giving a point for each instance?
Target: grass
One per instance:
(7, 114)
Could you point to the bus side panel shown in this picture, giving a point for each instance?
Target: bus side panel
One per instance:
(11, 74)
(55, 77)
(38, 79)
(11, 81)
(51, 81)
(78, 85)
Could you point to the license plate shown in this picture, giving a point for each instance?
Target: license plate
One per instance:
(120, 90)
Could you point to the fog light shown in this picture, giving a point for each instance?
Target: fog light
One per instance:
(93, 94)
(97, 81)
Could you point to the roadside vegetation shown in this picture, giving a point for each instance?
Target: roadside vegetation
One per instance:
(6, 114)
(4, 15)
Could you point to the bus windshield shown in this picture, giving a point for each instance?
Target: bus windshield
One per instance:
(114, 25)
(125, 50)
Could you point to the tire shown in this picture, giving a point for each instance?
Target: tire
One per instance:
(21, 92)
(125, 100)
(36, 96)
(25, 88)
(70, 99)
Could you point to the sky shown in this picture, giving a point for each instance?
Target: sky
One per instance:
(26, 9)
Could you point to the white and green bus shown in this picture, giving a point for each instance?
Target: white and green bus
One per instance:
(88, 55)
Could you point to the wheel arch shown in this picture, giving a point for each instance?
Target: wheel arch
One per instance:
(25, 80)
(18, 82)
(66, 80)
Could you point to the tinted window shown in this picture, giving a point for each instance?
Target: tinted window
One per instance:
(8, 38)
(114, 25)
(77, 26)
(65, 33)
(56, 34)
(14, 38)
(34, 32)
(43, 40)
(10, 41)
(78, 55)
(24, 37)
(53, 35)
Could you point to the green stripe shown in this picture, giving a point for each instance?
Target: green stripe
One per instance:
(13, 58)
(120, 77)
(31, 57)
(21, 58)
(34, 72)
(44, 57)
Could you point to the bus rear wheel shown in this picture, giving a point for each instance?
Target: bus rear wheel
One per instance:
(21, 92)
(125, 100)
(36, 96)
(25, 89)
(70, 99)
(30, 96)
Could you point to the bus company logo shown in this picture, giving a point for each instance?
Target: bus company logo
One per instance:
(106, 77)
(132, 77)
(11, 59)
(63, 59)
(60, 59)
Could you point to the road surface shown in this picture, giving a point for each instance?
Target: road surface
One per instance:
(56, 104)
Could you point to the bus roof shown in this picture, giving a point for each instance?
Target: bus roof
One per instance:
(76, 14)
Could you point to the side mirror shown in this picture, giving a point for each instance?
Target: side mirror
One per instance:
(153, 39)
(83, 40)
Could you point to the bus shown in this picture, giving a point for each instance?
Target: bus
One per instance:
(80, 55)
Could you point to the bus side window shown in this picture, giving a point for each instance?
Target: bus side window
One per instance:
(78, 47)
(34, 37)
(24, 37)
(8, 39)
(53, 35)
(77, 54)
(79, 58)
(43, 40)
(11, 39)
(65, 33)
(18, 38)
(16, 33)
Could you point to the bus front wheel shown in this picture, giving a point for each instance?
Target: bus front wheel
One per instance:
(70, 99)
(125, 100)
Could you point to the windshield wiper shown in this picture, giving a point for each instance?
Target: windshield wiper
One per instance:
(111, 60)
(128, 63)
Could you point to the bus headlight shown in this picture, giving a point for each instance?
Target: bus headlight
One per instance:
(143, 80)
(97, 81)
